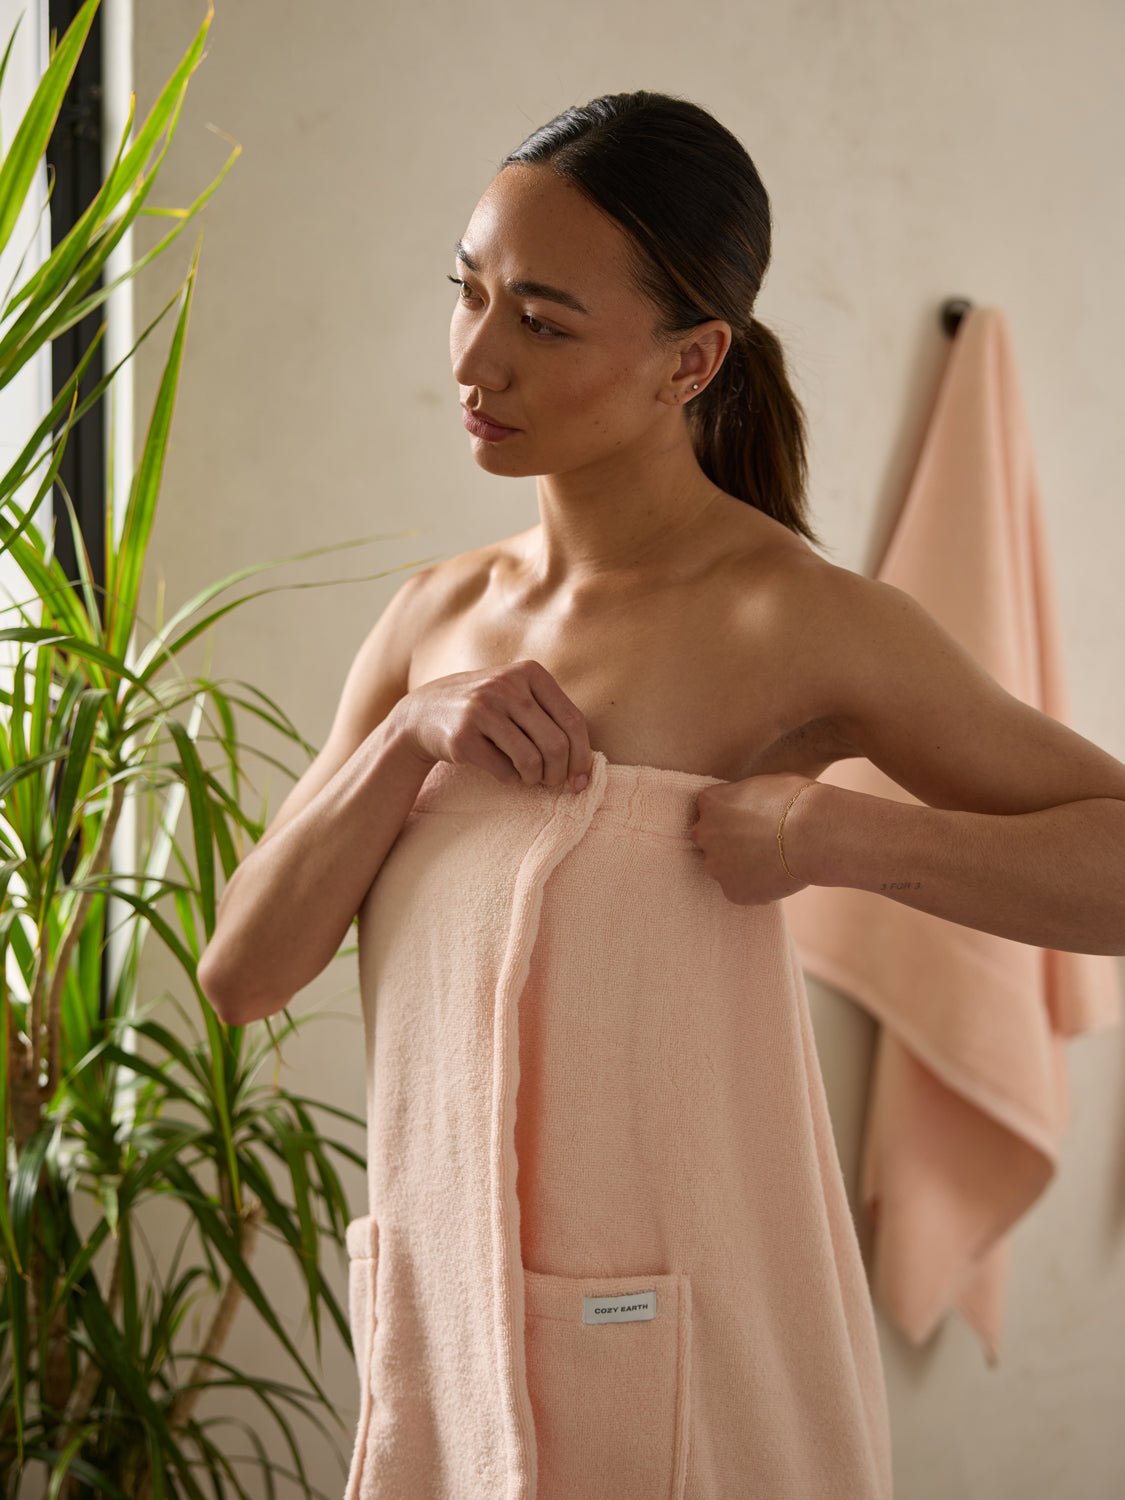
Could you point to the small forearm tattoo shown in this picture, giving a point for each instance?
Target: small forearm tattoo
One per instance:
(901, 885)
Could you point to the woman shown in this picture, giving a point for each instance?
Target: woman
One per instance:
(609, 1252)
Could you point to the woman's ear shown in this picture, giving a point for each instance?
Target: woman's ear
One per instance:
(699, 358)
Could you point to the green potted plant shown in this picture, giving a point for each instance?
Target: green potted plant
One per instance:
(108, 1113)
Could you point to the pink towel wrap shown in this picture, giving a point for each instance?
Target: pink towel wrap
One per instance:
(608, 1253)
(968, 1100)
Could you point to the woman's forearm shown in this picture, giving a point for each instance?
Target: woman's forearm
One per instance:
(1053, 878)
(288, 906)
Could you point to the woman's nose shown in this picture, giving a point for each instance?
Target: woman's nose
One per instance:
(475, 354)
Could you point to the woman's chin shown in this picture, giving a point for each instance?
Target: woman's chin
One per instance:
(499, 460)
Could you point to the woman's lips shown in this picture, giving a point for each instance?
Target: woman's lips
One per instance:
(482, 429)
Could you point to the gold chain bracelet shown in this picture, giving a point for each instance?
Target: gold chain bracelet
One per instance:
(781, 825)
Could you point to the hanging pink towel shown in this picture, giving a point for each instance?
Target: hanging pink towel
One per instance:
(609, 1253)
(969, 1096)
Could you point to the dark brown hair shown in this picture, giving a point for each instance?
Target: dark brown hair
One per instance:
(697, 217)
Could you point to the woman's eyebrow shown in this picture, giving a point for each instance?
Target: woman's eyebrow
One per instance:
(527, 288)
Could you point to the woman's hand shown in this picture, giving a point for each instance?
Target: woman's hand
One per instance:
(513, 721)
(736, 829)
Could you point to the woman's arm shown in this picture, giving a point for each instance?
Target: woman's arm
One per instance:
(1054, 878)
(288, 905)
(1023, 828)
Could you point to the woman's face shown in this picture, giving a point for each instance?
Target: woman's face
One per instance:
(578, 385)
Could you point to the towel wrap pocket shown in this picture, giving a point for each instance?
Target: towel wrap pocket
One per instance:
(362, 1237)
(608, 1370)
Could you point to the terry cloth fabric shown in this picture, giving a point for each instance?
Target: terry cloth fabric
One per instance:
(608, 1253)
(969, 1098)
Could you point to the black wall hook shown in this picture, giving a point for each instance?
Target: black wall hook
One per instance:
(953, 309)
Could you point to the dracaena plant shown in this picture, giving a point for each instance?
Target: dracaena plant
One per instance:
(109, 1110)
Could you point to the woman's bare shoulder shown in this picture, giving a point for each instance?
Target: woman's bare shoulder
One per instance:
(454, 583)
(773, 566)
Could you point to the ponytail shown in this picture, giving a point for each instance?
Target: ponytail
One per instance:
(748, 430)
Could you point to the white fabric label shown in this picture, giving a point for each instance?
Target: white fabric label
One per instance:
(624, 1309)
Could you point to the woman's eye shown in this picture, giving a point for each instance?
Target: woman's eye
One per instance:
(548, 331)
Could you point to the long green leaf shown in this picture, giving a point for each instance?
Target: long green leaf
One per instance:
(216, 1234)
(141, 508)
(21, 162)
